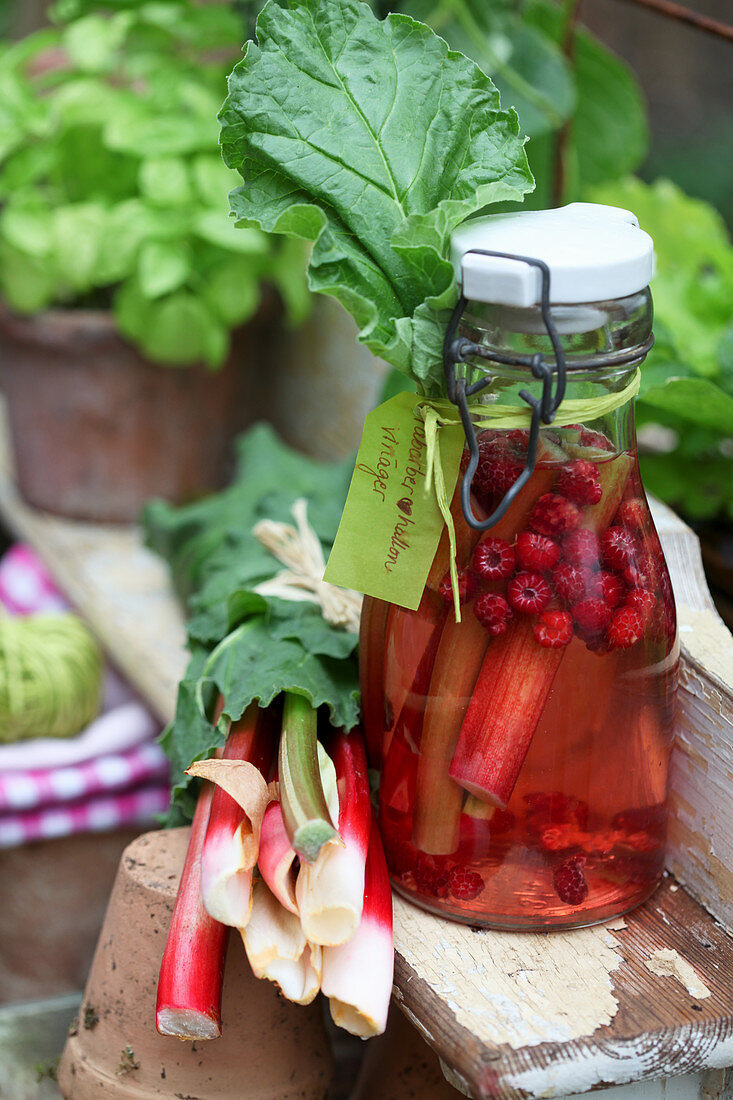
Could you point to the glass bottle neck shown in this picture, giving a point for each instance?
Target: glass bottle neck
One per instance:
(592, 334)
(603, 344)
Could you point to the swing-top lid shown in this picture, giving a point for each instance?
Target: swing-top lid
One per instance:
(594, 253)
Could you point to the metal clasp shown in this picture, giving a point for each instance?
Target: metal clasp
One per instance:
(458, 350)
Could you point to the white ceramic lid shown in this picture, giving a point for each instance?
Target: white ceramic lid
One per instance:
(593, 252)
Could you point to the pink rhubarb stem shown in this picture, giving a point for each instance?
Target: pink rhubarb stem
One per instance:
(357, 976)
(438, 798)
(226, 880)
(192, 970)
(277, 858)
(330, 891)
(410, 635)
(512, 689)
(371, 674)
(466, 539)
(399, 772)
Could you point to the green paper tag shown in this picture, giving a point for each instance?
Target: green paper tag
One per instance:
(391, 524)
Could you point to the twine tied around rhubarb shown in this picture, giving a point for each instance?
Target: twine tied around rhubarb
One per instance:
(299, 549)
(440, 413)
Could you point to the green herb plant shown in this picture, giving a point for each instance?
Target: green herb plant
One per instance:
(112, 186)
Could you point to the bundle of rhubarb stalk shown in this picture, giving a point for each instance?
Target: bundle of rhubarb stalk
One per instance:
(268, 755)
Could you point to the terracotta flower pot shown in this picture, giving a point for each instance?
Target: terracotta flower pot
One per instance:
(400, 1065)
(97, 429)
(269, 1050)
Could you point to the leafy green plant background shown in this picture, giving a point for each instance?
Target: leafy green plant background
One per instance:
(569, 91)
(112, 186)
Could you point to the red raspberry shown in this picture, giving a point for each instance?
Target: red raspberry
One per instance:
(570, 582)
(592, 616)
(465, 885)
(493, 612)
(528, 592)
(612, 589)
(589, 438)
(641, 572)
(497, 470)
(493, 559)
(501, 475)
(431, 876)
(618, 547)
(519, 439)
(569, 881)
(627, 627)
(467, 587)
(644, 602)
(536, 552)
(582, 548)
(580, 482)
(493, 443)
(553, 515)
(554, 629)
(633, 514)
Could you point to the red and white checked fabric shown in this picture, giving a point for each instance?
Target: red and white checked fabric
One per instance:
(139, 807)
(25, 586)
(113, 774)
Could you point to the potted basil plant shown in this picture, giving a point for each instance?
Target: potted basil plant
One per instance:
(132, 313)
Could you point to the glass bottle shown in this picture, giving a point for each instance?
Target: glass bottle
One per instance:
(523, 751)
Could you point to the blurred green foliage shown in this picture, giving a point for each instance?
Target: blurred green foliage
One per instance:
(112, 186)
(687, 381)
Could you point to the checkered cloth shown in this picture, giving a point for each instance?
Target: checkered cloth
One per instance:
(113, 774)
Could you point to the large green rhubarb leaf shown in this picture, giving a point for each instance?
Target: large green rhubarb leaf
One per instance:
(373, 140)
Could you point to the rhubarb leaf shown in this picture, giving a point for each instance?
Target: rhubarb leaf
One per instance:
(373, 140)
(250, 664)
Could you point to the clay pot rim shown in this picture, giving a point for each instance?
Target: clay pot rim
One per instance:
(59, 328)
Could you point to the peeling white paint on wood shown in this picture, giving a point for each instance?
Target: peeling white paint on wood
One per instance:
(619, 1062)
(667, 963)
(519, 988)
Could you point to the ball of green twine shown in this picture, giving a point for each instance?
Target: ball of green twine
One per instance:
(50, 676)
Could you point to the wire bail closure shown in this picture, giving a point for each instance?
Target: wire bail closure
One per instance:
(459, 350)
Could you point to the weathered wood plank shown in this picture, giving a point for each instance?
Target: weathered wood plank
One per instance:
(657, 1029)
(700, 849)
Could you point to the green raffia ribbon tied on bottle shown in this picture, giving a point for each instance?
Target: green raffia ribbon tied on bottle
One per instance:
(439, 414)
(50, 676)
(405, 475)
